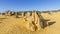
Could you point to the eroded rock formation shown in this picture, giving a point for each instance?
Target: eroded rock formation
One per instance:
(33, 20)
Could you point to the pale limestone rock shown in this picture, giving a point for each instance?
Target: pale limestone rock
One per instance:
(9, 13)
(33, 22)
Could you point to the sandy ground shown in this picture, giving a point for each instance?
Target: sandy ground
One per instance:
(12, 25)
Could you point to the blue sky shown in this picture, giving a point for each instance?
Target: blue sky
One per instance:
(22, 5)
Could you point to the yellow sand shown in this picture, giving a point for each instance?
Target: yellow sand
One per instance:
(12, 25)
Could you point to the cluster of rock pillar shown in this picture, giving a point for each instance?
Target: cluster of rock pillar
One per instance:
(32, 19)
